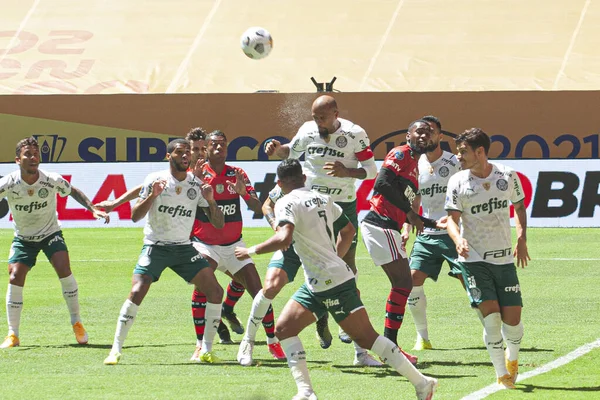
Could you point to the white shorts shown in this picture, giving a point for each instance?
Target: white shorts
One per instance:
(384, 245)
(223, 255)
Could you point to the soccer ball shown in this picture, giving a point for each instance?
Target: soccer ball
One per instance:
(256, 42)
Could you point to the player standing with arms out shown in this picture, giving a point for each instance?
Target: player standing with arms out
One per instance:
(307, 218)
(170, 199)
(394, 192)
(229, 184)
(433, 246)
(31, 194)
(333, 148)
(281, 270)
(479, 197)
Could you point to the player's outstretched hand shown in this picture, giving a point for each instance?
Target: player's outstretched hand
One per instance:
(241, 253)
(207, 192)
(106, 205)
(462, 248)
(158, 186)
(442, 223)
(404, 235)
(415, 221)
(240, 184)
(100, 215)
(272, 146)
(521, 253)
(198, 169)
(337, 169)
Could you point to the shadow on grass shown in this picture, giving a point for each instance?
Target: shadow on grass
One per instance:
(523, 350)
(531, 388)
(384, 372)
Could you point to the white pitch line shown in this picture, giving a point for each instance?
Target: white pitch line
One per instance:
(21, 27)
(381, 44)
(183, 66)
(535, 259)
(559, 362)
(571, 45)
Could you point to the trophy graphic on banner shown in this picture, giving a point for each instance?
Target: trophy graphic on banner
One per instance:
(51, 147)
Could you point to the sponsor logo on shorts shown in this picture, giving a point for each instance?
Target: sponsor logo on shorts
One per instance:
(196, 257)
(502, 184)
(331, 302)
(56, 239)
(515, 289)
(475, 293)
(341, 141)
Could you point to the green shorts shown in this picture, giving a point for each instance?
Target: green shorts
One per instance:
(340, 301)
(349, 209)
(286, 260)
(485, 281)
(25, 252)
(183, 259)
(429, 253)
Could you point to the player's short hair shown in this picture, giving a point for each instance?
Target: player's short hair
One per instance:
(174, 143)
(434, 120)
(474, 138)
(289, 169)
(30, 141)
(418, 121)
(217, 133)
(196, 133)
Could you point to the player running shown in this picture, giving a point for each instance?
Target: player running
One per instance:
(31, 194)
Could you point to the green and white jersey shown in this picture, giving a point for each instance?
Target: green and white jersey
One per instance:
(171, 216)
(433, 182)
(33, 207)
(313, 215)
(349, 145)
(485, 207)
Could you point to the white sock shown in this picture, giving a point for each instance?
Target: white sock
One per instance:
(260, 306)
(71, 295)
(479, 315)
(126, 318)
(492, 337)
(296, 359)
(14, 306)
(213, 318)
(391, 355)
(417, 303)
(512, 335)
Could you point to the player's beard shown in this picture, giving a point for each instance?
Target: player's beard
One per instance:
(178, 166)
(323, 133)
(431, 147)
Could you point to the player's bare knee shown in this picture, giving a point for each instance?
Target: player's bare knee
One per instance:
(17, 274)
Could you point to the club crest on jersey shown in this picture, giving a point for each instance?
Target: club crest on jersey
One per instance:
(220, 188)
(444, 171)
(43, 193)
(486, 185)
(399, 155)
(341, 141)
(502, 184)
(192, 194)
(30, 192)
(230, 190)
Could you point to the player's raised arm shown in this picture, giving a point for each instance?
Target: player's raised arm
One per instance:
(243, 187)
(109, 205)
(213, 212)
(148, 193)
(281, 240)
(275, 147)
(84, 201)
(268, 210)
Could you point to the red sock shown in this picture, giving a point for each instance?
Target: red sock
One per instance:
(235, 290)
(394, 312)
(269, 322)
(198, 311)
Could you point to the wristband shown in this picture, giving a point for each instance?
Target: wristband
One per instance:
(246, 197)
(252, 251)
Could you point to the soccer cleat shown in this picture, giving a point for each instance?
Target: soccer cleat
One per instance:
(427, 391)
(506, 381)
(10, 341)
(244, 355)
(364, 359)
(513, 369)
(412, 359)
(113, 358)
(224, 335)
(233, 322)
(422, 344)
(196, 355)
(276, 351)
(344, 336)
(301, 396)
(209, 358)
(80, 334)
(323, 333)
